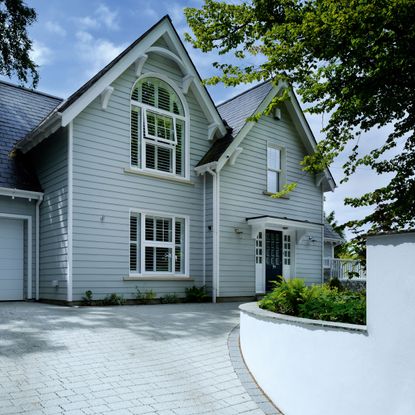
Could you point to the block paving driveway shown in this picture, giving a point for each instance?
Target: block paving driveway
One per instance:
(155, 359)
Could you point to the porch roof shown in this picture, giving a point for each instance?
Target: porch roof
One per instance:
(283, 223)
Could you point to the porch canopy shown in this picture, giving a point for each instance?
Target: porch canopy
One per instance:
(302, 228)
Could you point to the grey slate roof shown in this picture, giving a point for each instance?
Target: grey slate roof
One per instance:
(329, 233)
(21, 110)
(235, 111)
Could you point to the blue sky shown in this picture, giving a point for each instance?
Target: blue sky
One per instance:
(74, 39)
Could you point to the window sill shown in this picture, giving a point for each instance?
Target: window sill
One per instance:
(177, 179)
(270, 194)
(157, 278)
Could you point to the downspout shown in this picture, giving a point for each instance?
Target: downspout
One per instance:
(215, 234)
(70, 212)
(37, 254)
(204, 231)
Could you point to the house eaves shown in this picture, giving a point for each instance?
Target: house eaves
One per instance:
(78, 101)
(261, 97)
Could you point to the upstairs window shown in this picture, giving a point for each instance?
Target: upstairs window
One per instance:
(273, 169)
(157, 128)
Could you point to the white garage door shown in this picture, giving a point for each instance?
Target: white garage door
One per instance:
(11, 259)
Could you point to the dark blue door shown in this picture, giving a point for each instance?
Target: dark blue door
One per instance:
(273, 257)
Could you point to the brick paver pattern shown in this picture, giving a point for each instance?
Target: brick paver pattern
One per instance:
(155, 359)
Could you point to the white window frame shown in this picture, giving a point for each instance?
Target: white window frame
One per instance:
(159, 141)
(144, 243)
(281, 171)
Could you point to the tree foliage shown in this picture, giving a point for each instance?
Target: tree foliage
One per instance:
(15, 44)
(353, 60)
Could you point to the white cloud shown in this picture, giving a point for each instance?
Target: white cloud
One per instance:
(95, 51)
(40, 53)
(176, 13)
(87, 22)
(55, 28)
(103, 16)
(107, 17)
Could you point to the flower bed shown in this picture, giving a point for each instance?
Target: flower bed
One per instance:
(317, 302)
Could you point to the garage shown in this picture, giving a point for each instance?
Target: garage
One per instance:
(11, 259)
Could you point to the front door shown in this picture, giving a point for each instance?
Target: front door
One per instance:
(273, 257)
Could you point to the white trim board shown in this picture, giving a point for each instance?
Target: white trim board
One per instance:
(300, 124)
(163, 28)
(29, 248)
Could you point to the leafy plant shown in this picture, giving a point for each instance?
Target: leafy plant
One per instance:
(146, 297)
(335, 283)
(196, 294)
(87, 298)
(113, 299)
(318, 302)
(169, 299)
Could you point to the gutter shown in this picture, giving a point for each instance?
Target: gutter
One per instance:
(48, 126)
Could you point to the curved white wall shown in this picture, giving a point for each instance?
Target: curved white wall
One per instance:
(314, 369)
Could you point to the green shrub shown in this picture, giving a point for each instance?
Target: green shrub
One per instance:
(113, 299)
(169, 299)
(318, 302)
(196, 294)
(87, 298)
(146, 297)
(335, 283)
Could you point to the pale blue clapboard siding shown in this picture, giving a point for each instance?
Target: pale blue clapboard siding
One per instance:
(52, 166)
(241, 192)
(23, 207)
(103, 193)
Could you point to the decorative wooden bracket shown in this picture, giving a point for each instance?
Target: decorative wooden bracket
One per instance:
(301, 235)
(186, 82)
(212, 130)
(138, 65)
(235, 155)
(105, 96)
(319, 178)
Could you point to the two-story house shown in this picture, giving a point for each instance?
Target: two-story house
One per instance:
(139, 180)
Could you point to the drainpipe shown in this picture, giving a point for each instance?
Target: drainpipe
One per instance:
(204, 230)
(215, 224)
(37, 271)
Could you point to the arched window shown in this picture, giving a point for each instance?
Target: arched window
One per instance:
(157, 127)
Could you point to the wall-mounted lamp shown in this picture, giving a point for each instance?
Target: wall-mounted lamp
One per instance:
(102, 217)
(311, 239)
(238, 231)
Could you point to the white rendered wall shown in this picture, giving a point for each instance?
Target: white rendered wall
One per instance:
(327, 370)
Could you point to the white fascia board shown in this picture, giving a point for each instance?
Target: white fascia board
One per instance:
(198, 89)
(200, 170)
(109, 77)
(246, 128)
(292, 224)
(306, 135)
(23, 194)
(45, 129)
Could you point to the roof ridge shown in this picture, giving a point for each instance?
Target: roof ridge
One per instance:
(34, 91)
(243, 92)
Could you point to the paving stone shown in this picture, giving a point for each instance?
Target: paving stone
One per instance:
(180, 359)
